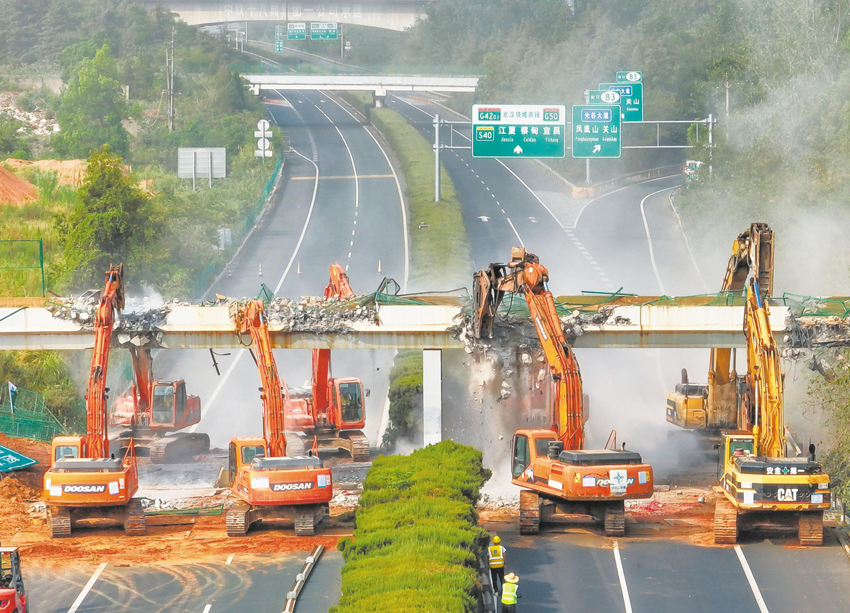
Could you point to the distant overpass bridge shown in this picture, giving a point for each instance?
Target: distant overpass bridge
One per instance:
(386, 14)
(379, 85)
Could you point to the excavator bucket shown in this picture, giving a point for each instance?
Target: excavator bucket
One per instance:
(485, 301)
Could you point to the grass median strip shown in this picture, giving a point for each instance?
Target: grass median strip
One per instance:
(440, 256)
(417, 542)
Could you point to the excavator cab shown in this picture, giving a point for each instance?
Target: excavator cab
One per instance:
(242, 453)
(348, 396)
(68, 447)
(734, 444)
(13, 596)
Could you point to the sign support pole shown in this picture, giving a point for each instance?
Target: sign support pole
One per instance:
(587, 171)
(210, 169)
(710, 142)
(194, 168)
(437, 157)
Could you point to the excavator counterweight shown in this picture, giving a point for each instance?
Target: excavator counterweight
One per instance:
(560, 479)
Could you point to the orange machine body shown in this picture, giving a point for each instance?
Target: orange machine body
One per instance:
(262, 480)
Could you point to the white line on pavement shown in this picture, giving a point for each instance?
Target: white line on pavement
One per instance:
(751, 580)
(605, 195)
(207, 608)
(400, 199)
(239, 355)
(649, 238)
(92, 580)
(229, 559)
(515, 232)
(688, 244)
(622, 576)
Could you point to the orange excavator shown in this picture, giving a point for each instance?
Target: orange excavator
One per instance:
(268, 483)
(560, 479)
(333, 410)
(85, 481)
(154, 411)
(13, 595)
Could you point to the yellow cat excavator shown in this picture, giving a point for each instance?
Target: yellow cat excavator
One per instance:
(712, 407)
(761, 486)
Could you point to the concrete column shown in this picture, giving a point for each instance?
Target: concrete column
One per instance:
(432, 395)
(380, 98)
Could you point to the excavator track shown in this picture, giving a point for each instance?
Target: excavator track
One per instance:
(134, 518)
(182, 445)
(308, 518)
(59, 519)
(359, 446)
(529, 513)
(725, 523)
(615, 519)
(811, 528)
(238, 519)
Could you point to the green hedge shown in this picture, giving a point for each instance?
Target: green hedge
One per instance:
(405, 399)
(440, 256)
(362, 101)
(417, 541)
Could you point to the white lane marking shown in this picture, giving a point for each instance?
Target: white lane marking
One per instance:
(313, 147)
(531, 191)
(515, 232)
(239, 355)
(649, 238)
(400, 200)
(229, 559)
(605, 195)
(92, 580)
(353, 231)
(351, 244)
(751, 579)
(688, 244)
(622, 576)
(350, 157)
(207, 608)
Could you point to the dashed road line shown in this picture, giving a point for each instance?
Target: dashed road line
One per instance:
(87, 588)
(229, 559)
(207, 608)
(649, 237)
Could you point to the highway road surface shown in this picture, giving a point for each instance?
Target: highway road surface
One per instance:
(234, 584)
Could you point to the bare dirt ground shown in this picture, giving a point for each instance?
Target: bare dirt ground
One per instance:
(15, 190)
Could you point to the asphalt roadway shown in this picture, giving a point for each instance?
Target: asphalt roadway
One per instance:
(629, 238)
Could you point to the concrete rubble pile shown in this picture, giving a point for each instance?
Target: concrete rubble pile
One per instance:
(817, 330)
(133, 327)
(319, 315)
(35, 122)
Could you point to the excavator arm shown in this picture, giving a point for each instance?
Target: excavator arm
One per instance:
(111, 300)
(525, 274)
(764, 379)
(250, 319)
(143, 372)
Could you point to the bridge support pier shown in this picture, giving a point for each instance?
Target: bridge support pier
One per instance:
(432, 396)
(380, 98)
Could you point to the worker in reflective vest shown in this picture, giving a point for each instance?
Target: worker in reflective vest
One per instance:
(510, 593)
(496, 559)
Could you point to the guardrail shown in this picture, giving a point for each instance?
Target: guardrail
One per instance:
(635, 177)
(301, 579)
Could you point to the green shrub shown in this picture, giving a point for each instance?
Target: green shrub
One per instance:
(405, 398)
(362, 101)
(416, 543)
(440, 256)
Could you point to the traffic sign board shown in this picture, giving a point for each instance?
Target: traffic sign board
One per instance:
(324, 31)
(603, 96)
(263, 125)
(518, 131)
(278, 32)
(12, 460)
(296, 30)
(631, 99)
(278, 46)
(629, 76)
(596, 131)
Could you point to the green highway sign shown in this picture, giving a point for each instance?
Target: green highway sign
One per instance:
(603, 96)
(596, 131)
(278, 32)
(324, 31)
(12, 460)
(519, 131)
(278, 46)
(296, 31)
(631, 99)
(629, 76)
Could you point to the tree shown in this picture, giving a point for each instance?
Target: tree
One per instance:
(109, 221)
(12, 141)
(92, 109)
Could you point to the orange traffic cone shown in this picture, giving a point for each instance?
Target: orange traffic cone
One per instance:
(260, 271)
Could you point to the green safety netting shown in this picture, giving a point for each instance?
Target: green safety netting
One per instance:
(29, 418)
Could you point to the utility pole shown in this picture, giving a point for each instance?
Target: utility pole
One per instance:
(341, 43)
(728, 85)
(437, 157)
(169, 81)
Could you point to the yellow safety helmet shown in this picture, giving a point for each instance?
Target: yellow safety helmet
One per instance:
(496, 539)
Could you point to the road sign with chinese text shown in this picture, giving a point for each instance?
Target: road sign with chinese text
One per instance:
(12, 460)
(296, 31)
(324, 31)
(518, 131)
(629, 76)
(603, 96)
(596, 131)
(631, 99)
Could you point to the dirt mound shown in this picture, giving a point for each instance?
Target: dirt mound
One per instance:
(69, 172)
(14, 189)
(15, 500)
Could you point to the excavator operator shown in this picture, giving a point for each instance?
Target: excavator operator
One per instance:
(352, 408)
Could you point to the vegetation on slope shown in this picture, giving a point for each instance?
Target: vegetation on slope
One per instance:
(416, 544)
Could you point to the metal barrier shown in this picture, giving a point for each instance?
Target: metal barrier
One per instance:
(621, 181)
(27, 416)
